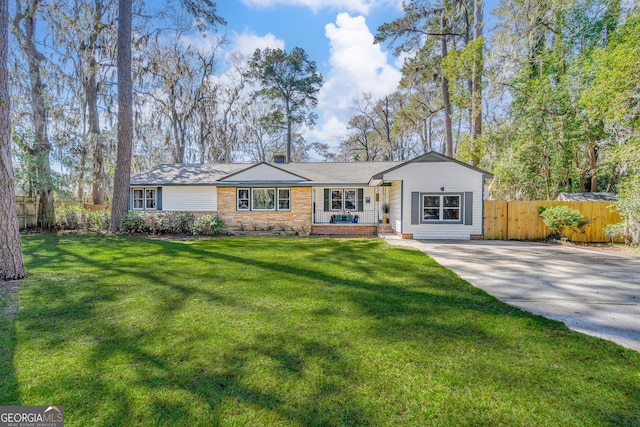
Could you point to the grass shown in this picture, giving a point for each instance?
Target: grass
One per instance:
(292, 332)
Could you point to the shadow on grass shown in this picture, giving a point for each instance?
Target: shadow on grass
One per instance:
(8, 309)
(139, 370)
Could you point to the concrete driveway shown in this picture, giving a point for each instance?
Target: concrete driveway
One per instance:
(591, 292)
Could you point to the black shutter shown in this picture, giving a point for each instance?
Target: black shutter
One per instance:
(415, 208)
(159, 199)
(326, 200)
(468, 208)
(360, 199)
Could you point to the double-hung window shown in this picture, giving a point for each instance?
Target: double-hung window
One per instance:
(344, 200)
(284, 199)
(145, 198)
(243, 199)
(263, 199)
(441, 207)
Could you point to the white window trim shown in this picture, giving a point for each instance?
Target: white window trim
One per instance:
(440, 220)
(343, 190)
(144, 198)
(276, 204)
(275, 199)
(288, 199)
(238, 208)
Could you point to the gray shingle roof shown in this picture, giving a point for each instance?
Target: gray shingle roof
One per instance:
(587, 197)
(338, 173)
(179, 174)
(316, 173)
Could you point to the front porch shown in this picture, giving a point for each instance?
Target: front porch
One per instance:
(356, 223)
(364, 217)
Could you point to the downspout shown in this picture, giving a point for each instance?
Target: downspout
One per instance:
(482, 208)
(401, 208)
(313, 206)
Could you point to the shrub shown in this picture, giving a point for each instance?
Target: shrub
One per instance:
(208, 225)
(72, 217)
(558, 218)
(131, 222)
(628, 206)
(174, 222)
(157, 222)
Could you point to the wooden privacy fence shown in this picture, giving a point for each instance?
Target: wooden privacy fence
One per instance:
(520, 220)
(28, 211)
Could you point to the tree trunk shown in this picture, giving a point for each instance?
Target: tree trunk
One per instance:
(476, 80)
(41, 147)
(83, 162)
(446, 99)
(91, 90)
(122, 179)
(288, 131)
(11, 262)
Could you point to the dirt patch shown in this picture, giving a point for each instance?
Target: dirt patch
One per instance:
(9, 298)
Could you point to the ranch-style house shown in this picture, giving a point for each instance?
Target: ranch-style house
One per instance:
(429, 197)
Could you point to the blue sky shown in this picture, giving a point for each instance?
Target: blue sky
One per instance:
(337, 35)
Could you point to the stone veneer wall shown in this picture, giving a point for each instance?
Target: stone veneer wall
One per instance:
(298, 217)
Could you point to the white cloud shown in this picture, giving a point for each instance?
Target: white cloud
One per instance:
(330, 131)
(207, 43)
(247, 43)
(357, 66)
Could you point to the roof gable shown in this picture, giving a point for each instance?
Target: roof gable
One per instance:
(432, 157)
(263, 172)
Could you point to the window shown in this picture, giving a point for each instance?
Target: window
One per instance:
(336, 200)
(263, 199)
(284, 199)
(344, 200)
(138, 199)
(145, 198)
(243, 199)
(150, 198)
(441, 207)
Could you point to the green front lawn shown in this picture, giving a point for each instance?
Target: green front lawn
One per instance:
(292, 332)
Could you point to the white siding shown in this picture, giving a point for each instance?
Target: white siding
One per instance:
(395, 205)
(430, 177)
(189, 198)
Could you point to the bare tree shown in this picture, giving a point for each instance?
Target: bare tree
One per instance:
(24, 26)
(84, 32)
(11, 262)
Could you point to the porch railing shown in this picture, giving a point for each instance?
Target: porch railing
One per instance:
(341, 217)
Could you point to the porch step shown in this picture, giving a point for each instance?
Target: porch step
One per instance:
(385, 229)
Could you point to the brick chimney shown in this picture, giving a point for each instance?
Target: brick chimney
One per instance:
(279, 158)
